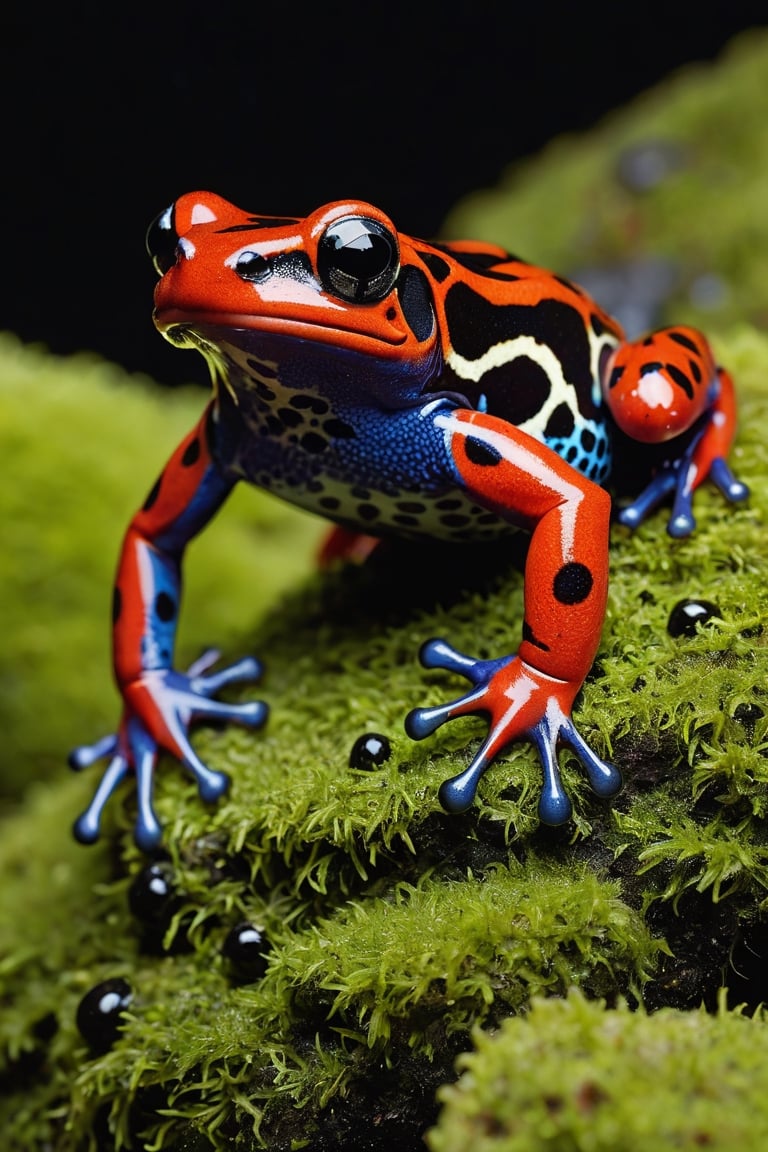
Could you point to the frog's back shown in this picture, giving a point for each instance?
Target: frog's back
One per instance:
(527, 346)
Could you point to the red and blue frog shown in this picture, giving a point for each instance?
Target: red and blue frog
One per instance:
(430, 390)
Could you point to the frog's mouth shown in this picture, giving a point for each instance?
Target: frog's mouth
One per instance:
(402, 326)
(238, 354)
(206, 328)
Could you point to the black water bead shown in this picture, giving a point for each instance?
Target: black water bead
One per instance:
(687, 614)
(245, 947)
(152, 895)
(100, 1012)
(370, 750)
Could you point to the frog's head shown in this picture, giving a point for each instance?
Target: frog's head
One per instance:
(336, 278)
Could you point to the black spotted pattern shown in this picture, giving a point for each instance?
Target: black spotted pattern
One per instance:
(481, 263)
(191, 453)
(681, 338)
(255, 222)
(476, 324)
(165, 607)
(481, 453)
(560, 423)
(438, 267)
(680, 379)
(152, 495)
(416, 302)
(572, 583)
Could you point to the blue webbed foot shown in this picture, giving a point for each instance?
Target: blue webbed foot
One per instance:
(677, 478)
(159, 709)
(519, 701)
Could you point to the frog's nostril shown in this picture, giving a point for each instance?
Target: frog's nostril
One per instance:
(252, 266)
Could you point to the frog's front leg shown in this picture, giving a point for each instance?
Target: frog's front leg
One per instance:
(160, 704)
(530, 694)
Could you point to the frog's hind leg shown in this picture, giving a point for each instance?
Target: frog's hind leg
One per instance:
(346, 544)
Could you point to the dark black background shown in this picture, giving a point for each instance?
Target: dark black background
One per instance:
(111, 112)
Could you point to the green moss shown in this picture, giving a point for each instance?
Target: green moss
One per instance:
(571, 1075)
(394, 929)
(84, 442)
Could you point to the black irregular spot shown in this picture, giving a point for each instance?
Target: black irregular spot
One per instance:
(681, 338)
(315, 404)
(165, 607)
(416, 302)
(529, 635)
(261, 367)
(481, 453)
(191, 453)
(368, 512)
(152, 495)
(436, 265)
(314, 443)
(681, 379)
(476, 324)
(339, 429)
(117, 604)
(560, 423)
(573, 583)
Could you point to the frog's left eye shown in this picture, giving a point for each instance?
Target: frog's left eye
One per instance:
(358, 259)
(161, 241)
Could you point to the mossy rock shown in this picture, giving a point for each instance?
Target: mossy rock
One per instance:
(394, 934)
(572, 1075)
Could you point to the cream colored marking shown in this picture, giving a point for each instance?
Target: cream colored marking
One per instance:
(509, 350)
(655, 391)
(202, 214)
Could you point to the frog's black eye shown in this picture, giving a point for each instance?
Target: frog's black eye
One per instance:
(358, 260)
(161, 241)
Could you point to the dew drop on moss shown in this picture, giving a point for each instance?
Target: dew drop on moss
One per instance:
(246, 947)
(152, 894)
(100, 1012)
(370, 750)
(687, 614)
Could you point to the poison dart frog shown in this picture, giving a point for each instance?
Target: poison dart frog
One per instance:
(441, 390)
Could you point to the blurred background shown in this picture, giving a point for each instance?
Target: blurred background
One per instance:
(111, 112)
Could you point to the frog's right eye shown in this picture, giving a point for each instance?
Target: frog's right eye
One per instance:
(162, 241)
(358, 259)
